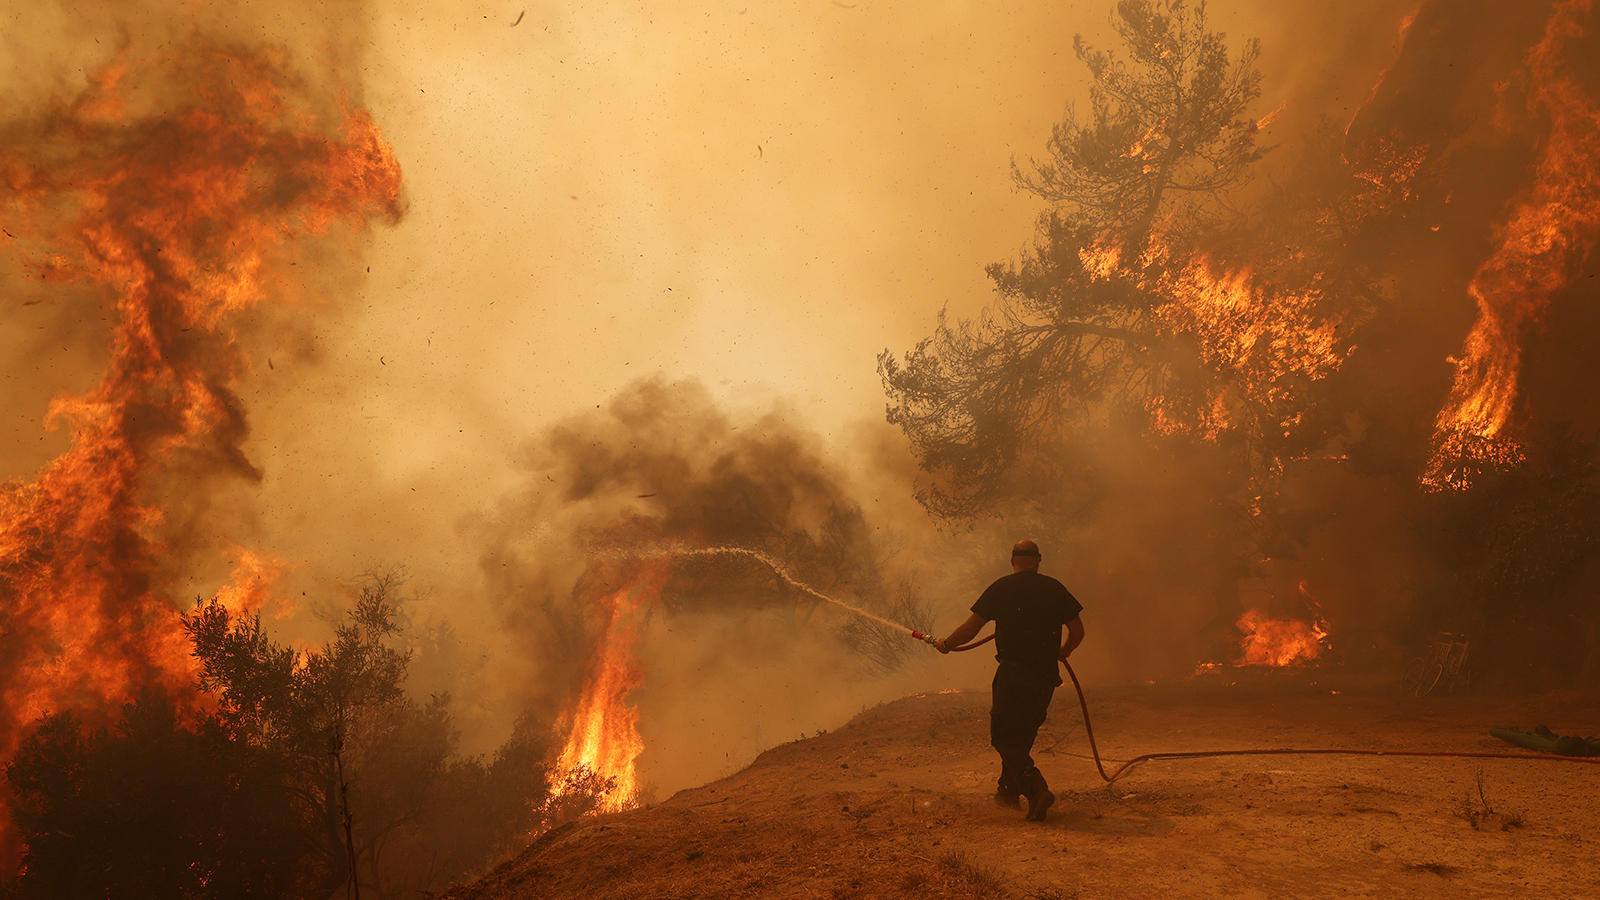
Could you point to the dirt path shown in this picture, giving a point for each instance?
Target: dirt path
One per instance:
(897, 804)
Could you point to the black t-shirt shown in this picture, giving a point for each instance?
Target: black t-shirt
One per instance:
(1028, 610)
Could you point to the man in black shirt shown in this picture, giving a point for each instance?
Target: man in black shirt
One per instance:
(1028, 610)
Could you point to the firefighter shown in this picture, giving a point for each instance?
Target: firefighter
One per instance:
(1028, 610)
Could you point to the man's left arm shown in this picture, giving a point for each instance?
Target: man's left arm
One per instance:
(1074, 638)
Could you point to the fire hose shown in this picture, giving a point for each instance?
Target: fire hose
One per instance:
(1084, 704)
(1206, 754)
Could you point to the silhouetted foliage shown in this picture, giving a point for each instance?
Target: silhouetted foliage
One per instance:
(1056, 348)
(245, 801)
(1166, 135)
(580, 791)
(410, 794)
(1076, 335)
(156, 807)
(304, 706)
(1518, 563)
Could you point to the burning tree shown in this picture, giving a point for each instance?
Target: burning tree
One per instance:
(1157, 312)
(1119, 315)
(1134, 310)
(172, 192)
(1547, 237)
(1171, 316)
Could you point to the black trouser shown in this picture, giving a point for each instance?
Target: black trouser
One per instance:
(1021, 699)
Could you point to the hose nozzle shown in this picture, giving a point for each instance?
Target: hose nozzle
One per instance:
(928, 639)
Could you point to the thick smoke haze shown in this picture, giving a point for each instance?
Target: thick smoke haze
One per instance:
(736, 206)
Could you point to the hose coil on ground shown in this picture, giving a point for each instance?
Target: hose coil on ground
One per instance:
(1206, 754)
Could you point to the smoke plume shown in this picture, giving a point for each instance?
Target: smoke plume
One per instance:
(610, 494)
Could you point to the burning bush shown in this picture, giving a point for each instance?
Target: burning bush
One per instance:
(309, 764)
(664, 505)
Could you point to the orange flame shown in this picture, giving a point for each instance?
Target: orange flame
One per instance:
(604, 739)
(177, 209)
(1271, 341)
(1102, 260)
(255, 575)
(1279, 642)
(1548, 234)
(1265, 342)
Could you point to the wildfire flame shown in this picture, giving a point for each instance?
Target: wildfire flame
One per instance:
(604, 739)
(1548, 234)
(1269, 343)
(177, 212)
(1279, 642)
(1272, 341)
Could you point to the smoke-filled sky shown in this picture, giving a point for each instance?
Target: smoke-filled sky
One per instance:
(760, 196)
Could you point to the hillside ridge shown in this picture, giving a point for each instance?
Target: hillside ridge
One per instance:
(897, 804)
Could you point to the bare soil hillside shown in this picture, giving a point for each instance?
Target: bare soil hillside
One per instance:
(897, 804)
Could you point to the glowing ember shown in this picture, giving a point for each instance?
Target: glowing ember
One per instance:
(1549, 233)
(604, 740)
(179, 213)
(1279, 642)
(1103, 260)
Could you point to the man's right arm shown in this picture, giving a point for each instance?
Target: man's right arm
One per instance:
(1074, 638)
(964, 632)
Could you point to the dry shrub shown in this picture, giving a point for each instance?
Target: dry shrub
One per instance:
(970, 871)
(1480, 813)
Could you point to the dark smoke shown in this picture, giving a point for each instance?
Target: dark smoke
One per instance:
(662, 464)
(735, 657)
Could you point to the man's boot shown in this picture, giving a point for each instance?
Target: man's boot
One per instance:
(1038, 793)
(1007, 794)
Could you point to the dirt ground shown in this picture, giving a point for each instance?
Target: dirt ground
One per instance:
(897, 804)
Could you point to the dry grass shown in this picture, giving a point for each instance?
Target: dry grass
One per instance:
(915, 881)
(1481, 814)
(969, 871)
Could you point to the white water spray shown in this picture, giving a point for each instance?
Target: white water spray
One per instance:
(658, 551)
